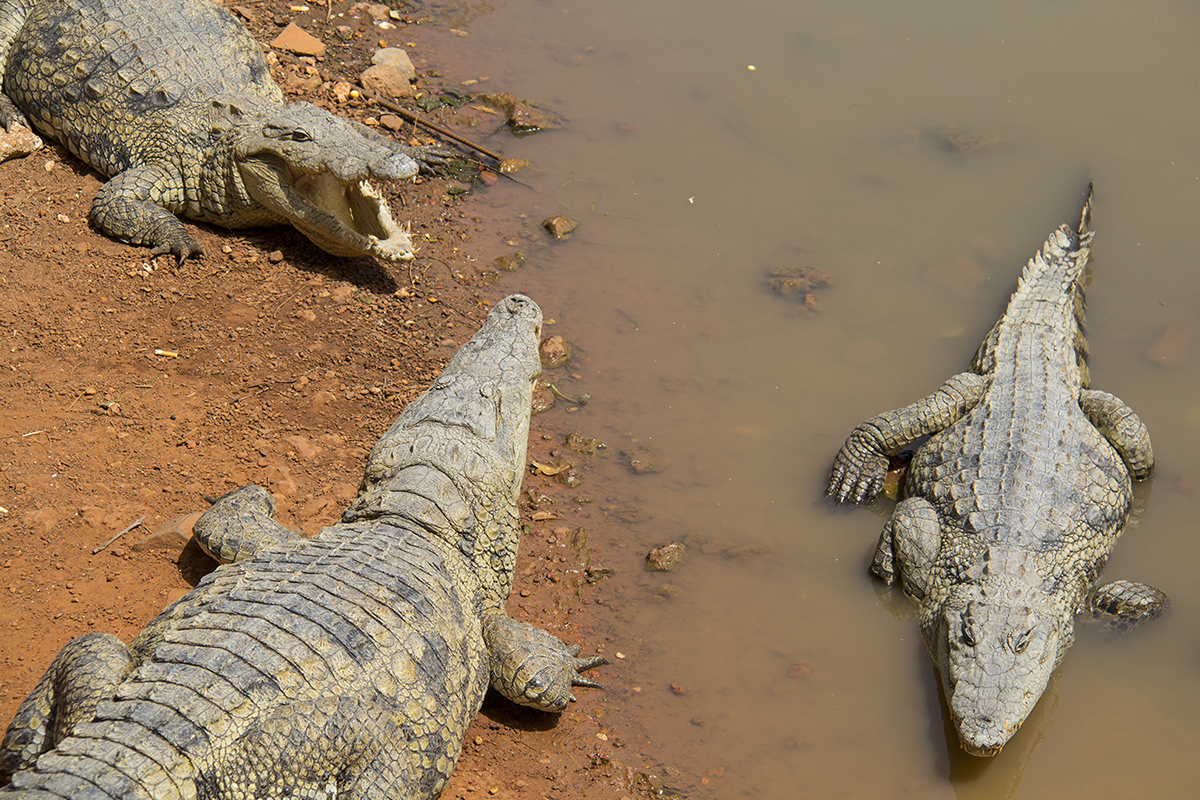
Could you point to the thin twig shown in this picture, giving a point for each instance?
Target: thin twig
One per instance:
(130, 527)
(414, 118)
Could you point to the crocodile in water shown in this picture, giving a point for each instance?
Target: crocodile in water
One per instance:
(173, 100)
(1014, 502)
(346, 666)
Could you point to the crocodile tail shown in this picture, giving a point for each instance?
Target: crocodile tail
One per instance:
(1085, 218)
(1050, 290)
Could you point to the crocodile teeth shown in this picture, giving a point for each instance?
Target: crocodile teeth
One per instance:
(349, 218)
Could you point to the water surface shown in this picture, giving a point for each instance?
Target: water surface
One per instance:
(692, 175)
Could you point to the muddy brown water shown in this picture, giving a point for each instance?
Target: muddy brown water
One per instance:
(919, 153)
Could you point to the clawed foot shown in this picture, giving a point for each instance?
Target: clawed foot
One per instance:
(1125, 605)
(182, 247)
(858, 471)
(532, 667)
(431, 158)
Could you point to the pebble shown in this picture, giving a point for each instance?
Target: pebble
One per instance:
(391, 122)
(391, 73)
(171, 536)
(295, 39)
(666, 558)
(554, 352)
(18, 143)
(560, 227)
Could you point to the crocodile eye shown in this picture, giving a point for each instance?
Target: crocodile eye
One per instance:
(300, 136)
(969, 636)
(1020, 641)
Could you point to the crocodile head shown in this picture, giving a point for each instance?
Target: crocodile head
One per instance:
(312, 170)
(995, 650)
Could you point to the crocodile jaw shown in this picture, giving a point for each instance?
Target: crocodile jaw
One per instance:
(343, 218)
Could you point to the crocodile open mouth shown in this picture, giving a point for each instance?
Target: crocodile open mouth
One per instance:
(347, 219)
(343, 217)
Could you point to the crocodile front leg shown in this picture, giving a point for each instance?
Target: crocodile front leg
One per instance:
(861, 464)
(129, 207)
(909, 543)
(532, 667)
(240, 524)
(85, 673)
(1126, 604)
(1124, 430)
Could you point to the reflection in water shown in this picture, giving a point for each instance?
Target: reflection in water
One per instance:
(913, 152)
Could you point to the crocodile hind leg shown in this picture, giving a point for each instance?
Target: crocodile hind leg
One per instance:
(128, 208)
(1124, 430)
(1126, 604)
(83, 674)
(240, 524)
(861, 465)
(351, 747)
(532, 667)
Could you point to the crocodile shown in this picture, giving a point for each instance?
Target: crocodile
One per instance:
(348, 665)
(1013, 503)
(173, 100)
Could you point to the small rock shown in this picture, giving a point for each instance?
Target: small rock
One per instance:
(962, 142)
(323, 399)
(543, 397)
(397, 57)
(18, 142)
(44, 519)
(511, 165)
(303, 447)
(584, 445)
(666, 558)
(511, 262)
(391, 75)
(171, 536)
(644, 459)
(342, 90)
(554, 352)
(796, 280)
(391, 122)
(378, 11)
(275, 256)
(560, 227)
(1172, 346)
(295, 39)
(344, 32)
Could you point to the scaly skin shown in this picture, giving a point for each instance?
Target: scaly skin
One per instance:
(173, 100)
(1013, 504)
(347, 666)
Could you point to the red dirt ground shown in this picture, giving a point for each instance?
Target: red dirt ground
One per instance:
(133, 387)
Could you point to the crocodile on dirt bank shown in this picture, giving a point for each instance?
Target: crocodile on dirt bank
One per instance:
(1014, 502)
(345, 666)
(173, 100)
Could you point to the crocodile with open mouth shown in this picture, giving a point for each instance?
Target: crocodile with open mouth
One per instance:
(173, 100)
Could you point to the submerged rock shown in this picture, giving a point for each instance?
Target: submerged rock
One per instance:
(560, 227)
(666, 558)
(644, 459)
(554, 352)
